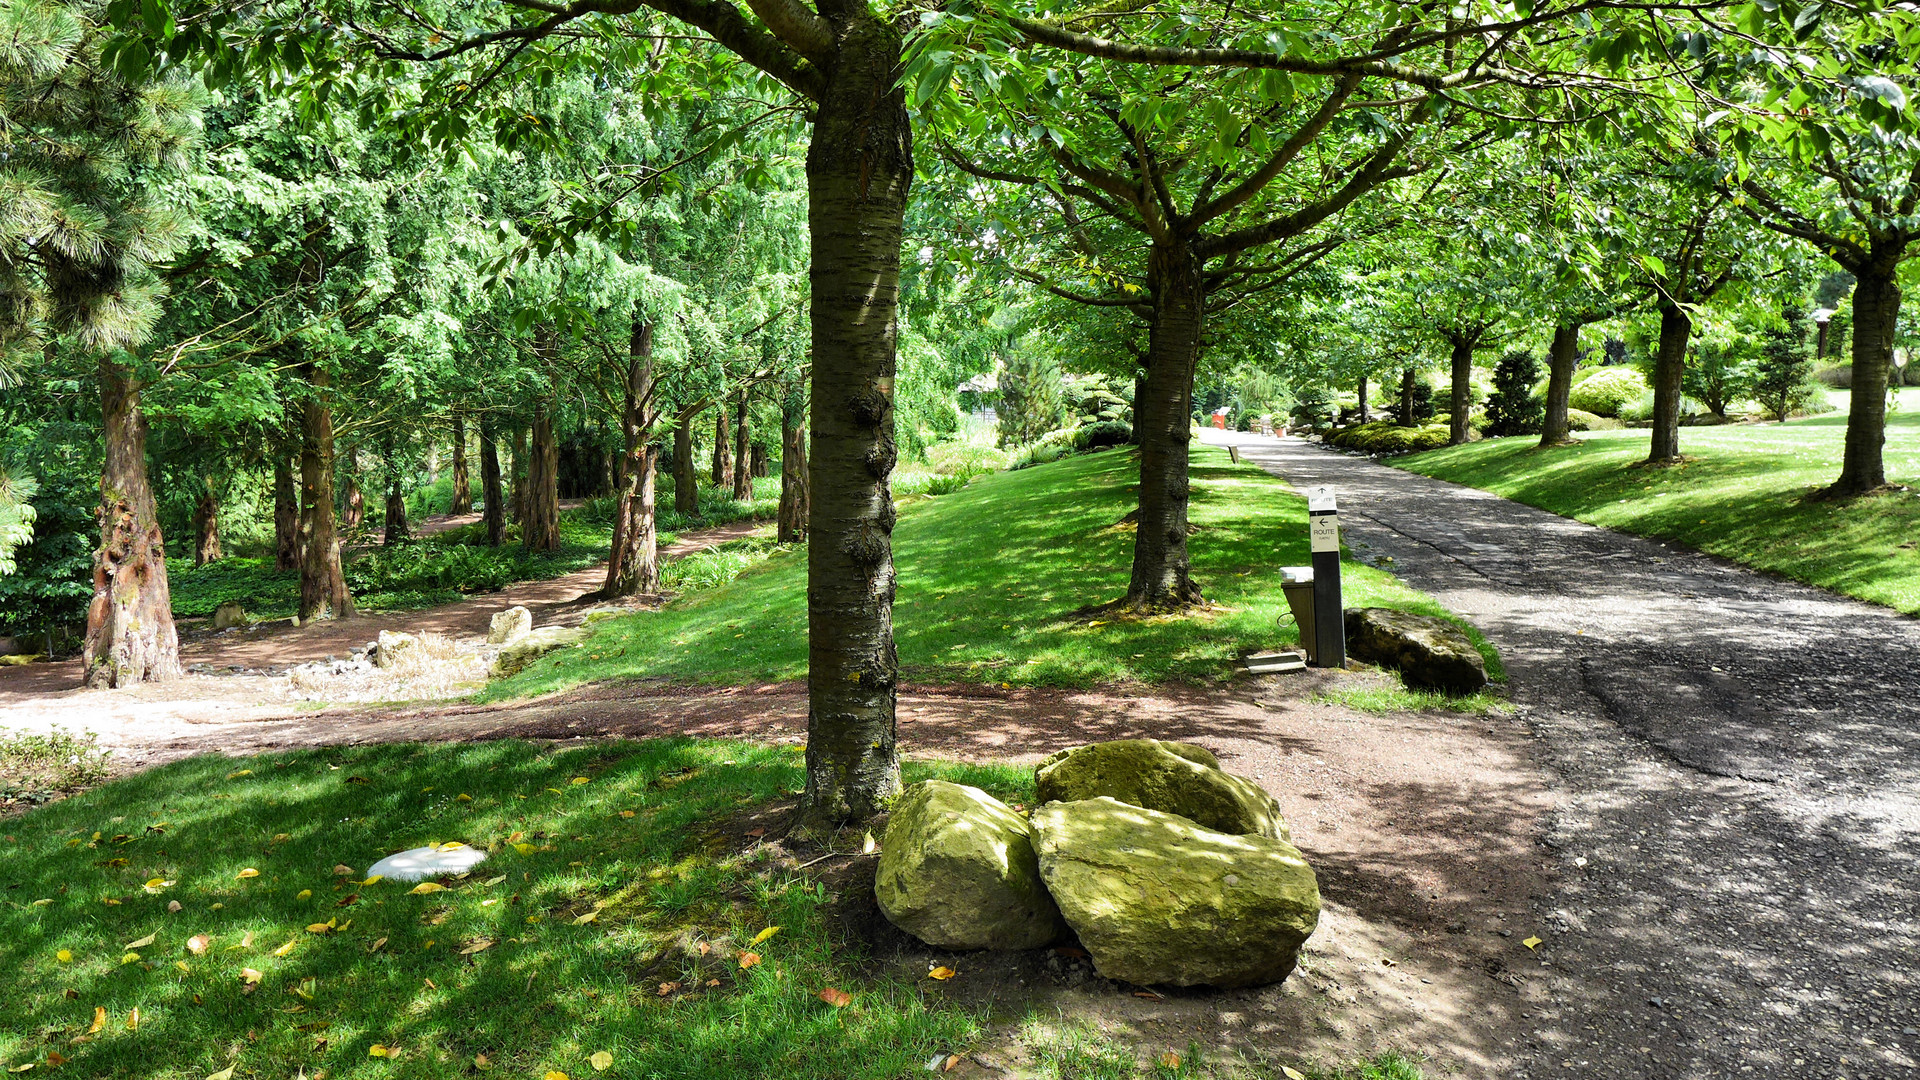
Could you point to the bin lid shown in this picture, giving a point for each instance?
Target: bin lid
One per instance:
(1295, 574)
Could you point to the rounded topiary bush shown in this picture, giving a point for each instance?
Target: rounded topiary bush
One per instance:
(1103, 434)
(1580, 420)
(1607, 390)
(1387, 437)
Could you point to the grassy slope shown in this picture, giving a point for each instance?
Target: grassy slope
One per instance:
(546, 994)
(989, 579)
(1741, 496)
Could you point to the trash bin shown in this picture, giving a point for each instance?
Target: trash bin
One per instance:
(1297, 581)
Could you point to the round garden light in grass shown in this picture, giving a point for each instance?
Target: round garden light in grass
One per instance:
(425, 862)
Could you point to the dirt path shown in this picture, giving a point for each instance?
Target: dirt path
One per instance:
(275, 646)
(1738, 802)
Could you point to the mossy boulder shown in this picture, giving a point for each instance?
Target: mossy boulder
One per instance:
(514, 657)
(958, 871)
(1171, 777)
(1156, 899)
(1429, 653)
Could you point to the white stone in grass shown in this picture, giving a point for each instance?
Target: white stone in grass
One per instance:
(416, 864)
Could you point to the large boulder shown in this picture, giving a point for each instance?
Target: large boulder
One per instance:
(1171, 777)
(1156, 898)
(1429, 653)
(229, 615)
(958, 871)
(509, 626)
(512, 658)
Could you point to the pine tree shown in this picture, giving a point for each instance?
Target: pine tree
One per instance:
(82, 224)
(1512, 409)
(1031, 403)
(1785, 361)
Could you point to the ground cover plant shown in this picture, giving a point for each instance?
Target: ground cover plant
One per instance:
(279, 960)
(1741, 493)
(995, 583)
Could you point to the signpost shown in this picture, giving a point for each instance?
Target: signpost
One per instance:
(1329, 616)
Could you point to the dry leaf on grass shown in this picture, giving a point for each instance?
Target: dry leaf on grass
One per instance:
(143, 942)
(223, 1074)
(942, 974)
(1170, 1059)
(379, 1050)
(765, 934)
(836, 997)
(426, 887)
(249, 872)
(748, 959)
(601, 1061)
(99, 1020)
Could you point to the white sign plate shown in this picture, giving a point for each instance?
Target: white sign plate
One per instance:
(1320, 497)
(1324, 532)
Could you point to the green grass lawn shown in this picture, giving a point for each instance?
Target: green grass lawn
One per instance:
(1740, 496)
(501, 963)
(990, 579)
(283, 960)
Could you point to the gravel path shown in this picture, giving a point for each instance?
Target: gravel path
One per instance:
(1737, 807)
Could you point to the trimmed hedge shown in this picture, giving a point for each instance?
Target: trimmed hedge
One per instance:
(1387, 437)
(1607, 390)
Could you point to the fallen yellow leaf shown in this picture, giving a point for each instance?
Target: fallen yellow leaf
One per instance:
(63, 956)
(343, 870)
(748, 959)
(426, 887)
(287, 948)
(133, 1019)
(1170, 1059)
(452, 845)
(142, 943)
(587, 918)
(319, 927)
(41, 903)
(525, 849)
(377, 1050)
(492, 881)
(303, 894)
(868, 845)
(371, 880)
(130, 958)
(1533, 943)
(1292, 1073)
(478, 946)
(765, 934)
(482, 1061)
(463, 797)
(99, 1020)
(250, 976)
(182, 965)
(247, 873)
(601, 1061)
(239, 774)
(942, 974)
(580, 779)
(198, 944)
(554, 1074)
(223, 1074)
(626, 813)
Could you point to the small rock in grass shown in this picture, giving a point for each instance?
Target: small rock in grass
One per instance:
(419, 863)
(393, 648)
(1429, 653)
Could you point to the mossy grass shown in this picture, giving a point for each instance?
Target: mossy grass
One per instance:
(995, 583)
(1742, 493)
(499, 964)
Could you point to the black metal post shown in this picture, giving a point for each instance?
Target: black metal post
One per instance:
(1329, 615)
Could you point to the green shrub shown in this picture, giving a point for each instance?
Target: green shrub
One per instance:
(1387, 437)
(33, 766)
(1607, 390)
(1640, 409)
(1513, 409)
(963, 458)
(1103, 434)
(1810, 398)
(715, 566)
(1580, 420)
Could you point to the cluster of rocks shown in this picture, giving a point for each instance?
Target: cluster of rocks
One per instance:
(1167, 869)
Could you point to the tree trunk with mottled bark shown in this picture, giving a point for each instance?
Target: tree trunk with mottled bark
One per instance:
(633, 567)
(859, 168)
(462, 485)
(1162, 574)
(743, 453)
(540, 529)
(1409, 379)
(686, 476)
(722, 469)
(1876, 315)
(793, 483)
(494, 509)
(1562, 355)
(130, 633)
(517, 504)
(206, 526)
(286, 513)
(1363, 399)
(323, 584)
(1669, 368)
(397, 530)
(1460, 426)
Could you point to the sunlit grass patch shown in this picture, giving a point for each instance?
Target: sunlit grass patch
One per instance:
(284, 958)
(994, 579)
